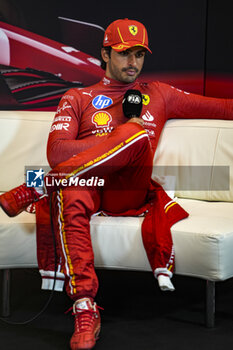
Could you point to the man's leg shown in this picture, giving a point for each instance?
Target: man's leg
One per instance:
(126, 147)
(125, 189)
(72, 210)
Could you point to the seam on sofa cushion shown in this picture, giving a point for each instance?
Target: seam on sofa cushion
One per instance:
(213, 162)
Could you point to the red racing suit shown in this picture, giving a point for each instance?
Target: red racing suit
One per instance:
(91, 139)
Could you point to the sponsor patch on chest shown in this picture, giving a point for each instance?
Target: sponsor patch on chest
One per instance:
(101, 119)
(101, 102)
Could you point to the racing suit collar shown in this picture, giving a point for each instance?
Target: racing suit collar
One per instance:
(108, 82)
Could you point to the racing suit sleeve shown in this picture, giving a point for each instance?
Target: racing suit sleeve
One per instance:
(181, 104)
(62, 141)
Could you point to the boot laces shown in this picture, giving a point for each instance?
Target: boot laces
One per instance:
(24, 194)
(85, 318)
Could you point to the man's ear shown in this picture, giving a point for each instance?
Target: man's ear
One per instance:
(105, 55)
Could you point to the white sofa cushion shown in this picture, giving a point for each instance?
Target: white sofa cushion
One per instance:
(199, 153)
(203, 242)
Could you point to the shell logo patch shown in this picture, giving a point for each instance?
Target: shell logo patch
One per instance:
(101, 119)
(133, 29)
(145, 99)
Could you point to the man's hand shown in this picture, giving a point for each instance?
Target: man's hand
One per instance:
(136, 120)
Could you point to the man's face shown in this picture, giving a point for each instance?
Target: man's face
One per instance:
(124, 66)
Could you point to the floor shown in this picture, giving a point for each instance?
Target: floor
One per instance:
(136, 315)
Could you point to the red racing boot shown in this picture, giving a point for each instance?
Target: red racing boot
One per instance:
(87, 325)
(15, 201)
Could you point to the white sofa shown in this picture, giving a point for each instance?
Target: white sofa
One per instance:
(199, 153)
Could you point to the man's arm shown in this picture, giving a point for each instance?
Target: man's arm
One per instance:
(181, 104)
(62, 142)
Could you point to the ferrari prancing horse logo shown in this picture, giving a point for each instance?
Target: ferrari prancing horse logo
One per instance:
(133, 29)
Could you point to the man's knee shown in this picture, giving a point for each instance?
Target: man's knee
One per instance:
(133, 132)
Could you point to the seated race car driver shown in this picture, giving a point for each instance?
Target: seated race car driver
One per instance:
(93, 137)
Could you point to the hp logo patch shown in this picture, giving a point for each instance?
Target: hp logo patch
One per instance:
(101, 102)
(35, 178)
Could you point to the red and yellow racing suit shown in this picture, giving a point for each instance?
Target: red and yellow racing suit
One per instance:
(91, 139)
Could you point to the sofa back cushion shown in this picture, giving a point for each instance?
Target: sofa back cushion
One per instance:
(23, 140)
(199, 155)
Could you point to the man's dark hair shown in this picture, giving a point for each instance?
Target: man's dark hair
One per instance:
(108, 50)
